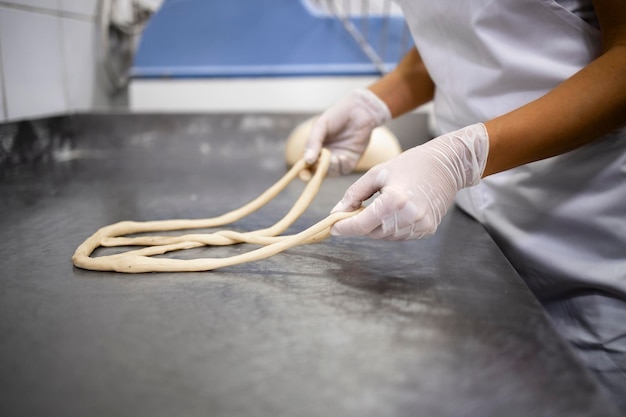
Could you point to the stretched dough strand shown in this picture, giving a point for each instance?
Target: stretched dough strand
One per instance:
(141, 260)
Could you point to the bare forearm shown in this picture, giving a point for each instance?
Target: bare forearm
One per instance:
(407, 86)
(581, 109)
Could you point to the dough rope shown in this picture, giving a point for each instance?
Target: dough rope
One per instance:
(141, 260)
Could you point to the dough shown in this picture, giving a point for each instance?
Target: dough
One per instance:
(141, 260)
(382, 147)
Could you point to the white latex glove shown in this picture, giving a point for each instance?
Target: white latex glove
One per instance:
(416, 188)
(345, 129)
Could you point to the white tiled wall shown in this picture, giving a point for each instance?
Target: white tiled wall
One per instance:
(32, 61)
(41, 4)
(84, 89)
(48, 59)
(2, 98)
(84, 7)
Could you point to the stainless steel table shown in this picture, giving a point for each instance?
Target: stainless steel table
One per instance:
(347, 327)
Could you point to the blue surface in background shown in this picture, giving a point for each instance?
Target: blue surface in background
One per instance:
(255, 38)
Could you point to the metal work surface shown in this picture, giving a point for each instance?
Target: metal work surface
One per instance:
(345, 327)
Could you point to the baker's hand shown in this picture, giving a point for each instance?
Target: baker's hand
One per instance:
(345, 129)
(416, 188)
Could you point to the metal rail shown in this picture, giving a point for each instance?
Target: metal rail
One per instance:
(356, 17)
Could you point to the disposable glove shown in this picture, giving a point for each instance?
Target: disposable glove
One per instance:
(416, 188)
(345, 129)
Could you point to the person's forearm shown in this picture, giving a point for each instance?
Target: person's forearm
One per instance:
(405, 88)
(580, 110)
(588, 105)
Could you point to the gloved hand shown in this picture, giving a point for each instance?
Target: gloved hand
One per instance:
(416, 188)
(345, 129)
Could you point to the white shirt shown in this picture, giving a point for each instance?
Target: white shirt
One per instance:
(560, 221)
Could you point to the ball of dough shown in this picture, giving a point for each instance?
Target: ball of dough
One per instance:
(382, 147)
